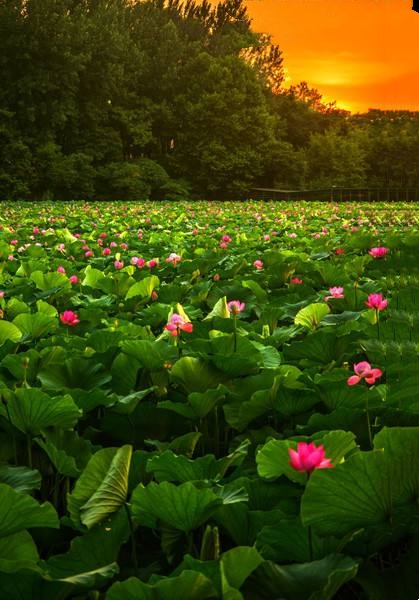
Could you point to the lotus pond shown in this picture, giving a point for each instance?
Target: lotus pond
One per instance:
(209, 400)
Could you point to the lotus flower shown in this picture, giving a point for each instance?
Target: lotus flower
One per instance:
(258, 264)
(378, 252)
(308, 457)
(335, 292)
(363, 370)
(376, 301)
(177, 323)
(236, 307)
(68, 317)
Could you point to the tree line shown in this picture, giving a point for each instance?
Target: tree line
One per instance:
(167, 99)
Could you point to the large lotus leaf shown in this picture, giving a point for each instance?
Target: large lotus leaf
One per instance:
(317, 580)
(17, 550)
(15, 306)
(97, 548)
(401, 451)
(92, 277)
(31, 583)
(183, 507)
(35, 325)
(321, 348)
(260, 294)
(59, 376)
(68, 452)
(31, 411)
(9, 331)
(20, 479)
(311, 315)
(103, 339)
(194, 374)
(219, 309)
(127, 404)
(102, 487)
(21, 511)
(236, 566)
(239, 415)
(242, 524)
(151, 354)
(353, 495)
(273, 458)
(288, 541)
(50, 281)
(169, 466)
(202, 403)
(124, 371)
(189, 584)
(143, 288)
(23, 366)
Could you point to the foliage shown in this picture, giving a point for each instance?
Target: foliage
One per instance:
(138, 463)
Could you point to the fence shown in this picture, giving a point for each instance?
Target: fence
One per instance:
(338, 194)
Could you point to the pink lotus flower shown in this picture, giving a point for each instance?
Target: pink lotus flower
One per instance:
(113, 245)
(138, 261)
(339, 251)
(118, 264)
(177, 324)
(258, 264)
(378, 252)
(226, 239)
(152, 263)
(68, 317)
(73, 279)
(363, 370)
(376, 301)
(335, 292)
(106, 251)
(236, 307)
(173, 258)
(61, 269)
(308, 457)
(296, 280)
(89, 253)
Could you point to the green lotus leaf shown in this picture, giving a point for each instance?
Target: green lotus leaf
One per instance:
(50, 282)
(183, 507)
(20, 479)
(59, 376)
(95, 549)
(311, 315)
(32, 583)
(194, 374)
(17, 551)
(219, 310)
(21, 511)
(35, 325)
(9, 331)
(316, 580)
(102, 487)
(31, 410)
(143, 288)
(189, 584)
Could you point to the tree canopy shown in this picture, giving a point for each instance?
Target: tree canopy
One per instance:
(164, 98)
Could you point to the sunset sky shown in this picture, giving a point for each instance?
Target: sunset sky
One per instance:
(362, 53)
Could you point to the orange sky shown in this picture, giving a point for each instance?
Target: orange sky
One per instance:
(361, 53)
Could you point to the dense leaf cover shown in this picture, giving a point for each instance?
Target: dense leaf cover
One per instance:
(208, 400)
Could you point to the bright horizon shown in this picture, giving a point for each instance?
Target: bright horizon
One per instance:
(361, 53)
